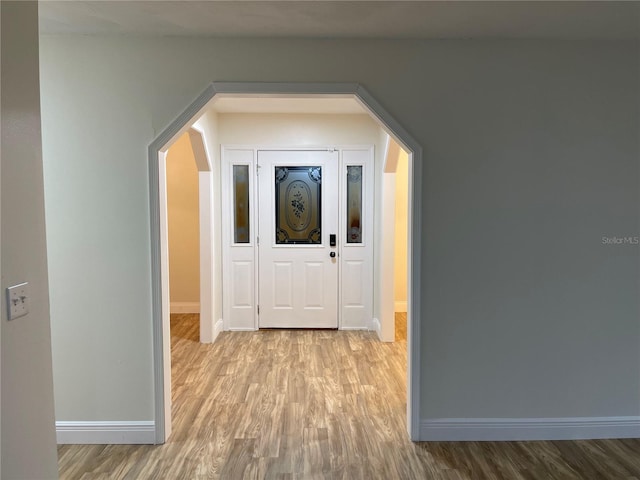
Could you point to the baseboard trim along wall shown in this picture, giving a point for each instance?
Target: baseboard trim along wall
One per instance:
(376, 327)
(217, 328)
(184, 307)
(108, 433)
(572, 428)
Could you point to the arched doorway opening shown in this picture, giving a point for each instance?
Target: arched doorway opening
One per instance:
(157, 157)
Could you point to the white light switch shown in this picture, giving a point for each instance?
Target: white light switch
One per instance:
(18, 300)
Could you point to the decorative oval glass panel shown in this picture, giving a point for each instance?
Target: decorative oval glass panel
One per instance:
(298, 193)
(298, 203)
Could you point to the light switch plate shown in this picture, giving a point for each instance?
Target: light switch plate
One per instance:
(18, 300)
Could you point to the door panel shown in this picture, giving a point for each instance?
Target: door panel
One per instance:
(241, 276)
(353, 275)
(314, 290)
(298, 203)
(283, 278)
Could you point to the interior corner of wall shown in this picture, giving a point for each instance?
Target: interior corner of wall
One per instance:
(217, 328)
(375, 326)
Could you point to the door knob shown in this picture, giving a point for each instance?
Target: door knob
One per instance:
(332, 254)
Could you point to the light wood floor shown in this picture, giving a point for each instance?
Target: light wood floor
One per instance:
(317, 404)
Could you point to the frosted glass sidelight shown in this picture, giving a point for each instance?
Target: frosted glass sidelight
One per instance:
(354, 204)
(241, 227)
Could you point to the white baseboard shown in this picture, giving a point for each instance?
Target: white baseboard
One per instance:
(184, 307)
(497, 429)
(108, 433)
(217, 328)
(376, 327)
(400, 306)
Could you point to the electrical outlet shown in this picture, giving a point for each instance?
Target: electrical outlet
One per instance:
(18, 300)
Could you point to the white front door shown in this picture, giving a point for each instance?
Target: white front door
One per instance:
(297, 225)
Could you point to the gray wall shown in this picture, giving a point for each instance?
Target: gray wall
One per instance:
(531, 156)
(28, 435)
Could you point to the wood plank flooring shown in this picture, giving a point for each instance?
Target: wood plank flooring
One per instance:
(313, 404)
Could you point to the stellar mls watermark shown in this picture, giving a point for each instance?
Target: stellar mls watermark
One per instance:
(629, 240)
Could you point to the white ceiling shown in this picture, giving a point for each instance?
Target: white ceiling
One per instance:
(342, 18)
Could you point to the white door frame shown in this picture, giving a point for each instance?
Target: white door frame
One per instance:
(247, 154)
(157, 153)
